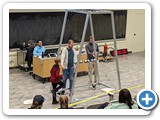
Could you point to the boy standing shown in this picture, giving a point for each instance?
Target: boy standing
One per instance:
(55, 79)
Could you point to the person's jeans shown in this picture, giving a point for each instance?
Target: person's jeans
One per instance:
(68, 73)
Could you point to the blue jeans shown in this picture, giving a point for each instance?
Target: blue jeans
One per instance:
(68, 72)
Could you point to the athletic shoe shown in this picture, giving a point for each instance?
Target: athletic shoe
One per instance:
(94, 87)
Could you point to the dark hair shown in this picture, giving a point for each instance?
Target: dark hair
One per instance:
(39, 40)
(69, 41)
(37, 102)
(57, 61)
(125, 97)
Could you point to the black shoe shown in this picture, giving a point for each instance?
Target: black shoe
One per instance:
(94, 87)
(62, 93)
(54, 102)
(58, 93)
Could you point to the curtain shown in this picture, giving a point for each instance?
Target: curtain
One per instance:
(47, 27)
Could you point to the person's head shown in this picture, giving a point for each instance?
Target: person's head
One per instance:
(70, 43)
(37, 102)
(90, 40)
(40, 43)
(63, 101)
(57, 61)
(125, 97)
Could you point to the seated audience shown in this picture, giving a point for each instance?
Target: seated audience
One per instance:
(135, 98)
(125, 101)
(37, 102)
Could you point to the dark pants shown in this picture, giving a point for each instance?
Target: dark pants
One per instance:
(54, 86)
(55, 89)
(29, 56)
(104, 55)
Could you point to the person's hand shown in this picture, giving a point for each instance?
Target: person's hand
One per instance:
(94, 54)
(63, 67)
(74, 66)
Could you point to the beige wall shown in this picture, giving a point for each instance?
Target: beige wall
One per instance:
(135, 25)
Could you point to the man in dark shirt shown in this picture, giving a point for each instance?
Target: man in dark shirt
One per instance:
(91, 56)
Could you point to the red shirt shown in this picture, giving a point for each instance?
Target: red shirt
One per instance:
(55, 76)
(105, 48)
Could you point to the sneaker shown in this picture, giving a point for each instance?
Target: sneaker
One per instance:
(62, 93)
(58, 93)
(55, 102)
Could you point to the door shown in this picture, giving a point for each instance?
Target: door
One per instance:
(139, 32)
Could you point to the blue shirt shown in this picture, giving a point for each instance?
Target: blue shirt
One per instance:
(38, 51)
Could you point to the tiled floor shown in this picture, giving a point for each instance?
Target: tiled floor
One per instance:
(132, 73)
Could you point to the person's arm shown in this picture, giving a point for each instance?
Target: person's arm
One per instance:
(57, 75)
(35, 53)
(62, 58)
(75, 56)
(75, 59)
(87, 50)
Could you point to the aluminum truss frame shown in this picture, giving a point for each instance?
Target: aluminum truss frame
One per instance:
(89, 14)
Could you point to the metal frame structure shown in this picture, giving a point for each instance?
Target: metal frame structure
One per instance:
(89, 14)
